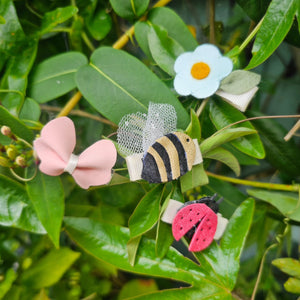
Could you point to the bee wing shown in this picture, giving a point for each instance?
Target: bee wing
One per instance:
(130, 133)
(161, 120)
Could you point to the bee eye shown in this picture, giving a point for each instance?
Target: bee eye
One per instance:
(187, 139)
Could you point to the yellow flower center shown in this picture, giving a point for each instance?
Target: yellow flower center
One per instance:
(200, 70)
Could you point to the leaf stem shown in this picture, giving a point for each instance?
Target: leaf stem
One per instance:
(201, 107)
(250, 36)
(265, 185)
(62, 29)
(87, 41)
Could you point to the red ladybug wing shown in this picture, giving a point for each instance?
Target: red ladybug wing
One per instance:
(187, 217)
(205, 232)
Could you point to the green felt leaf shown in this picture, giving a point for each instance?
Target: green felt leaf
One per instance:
(132, 248)
(99, 25)
(224, 136)
(17, 126)
(55, 76)
(50, 268)
(288, 265)
(47, 196)
(194, 128)
(276, 24)
(223, 114)
(292, 285)
(163, 48)
(16, 209)
(174, 25)
(116, 84)
(239, 82)
(53, 18)
(108, 243)
(286, 203)
(129, 9)
(225, 157)
(30, 110)
(146, 213)
(137, 287)
(195, 177)
(285, 156)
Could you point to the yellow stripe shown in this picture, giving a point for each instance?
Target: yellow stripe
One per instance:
(160, 164)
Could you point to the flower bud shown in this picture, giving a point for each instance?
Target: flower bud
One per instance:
(20, 161)
(5, 130)
(4, 162)
(12, 152)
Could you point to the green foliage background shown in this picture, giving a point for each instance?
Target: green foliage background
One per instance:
(58, 241)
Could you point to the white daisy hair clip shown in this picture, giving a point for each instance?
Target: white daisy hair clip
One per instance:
(205, 72)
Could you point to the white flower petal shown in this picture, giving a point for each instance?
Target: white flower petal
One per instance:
(182, 85)
(207, 51)
(204, 88)
(182, 61)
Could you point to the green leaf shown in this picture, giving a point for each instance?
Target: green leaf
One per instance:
(7, 282)
(276, 25)
(129, 9)
(55, 76)
(288, 265)
(239, 82)
(195, 177)
(146, 213)
(164, 49)
(225, 157)
(99, 25)
(287, 203)
(164, 238)
(16, 209)
(194, 128)
(141, 30)
(284, 156)
(137, 287)
(174, 25)
(292, 285)
(50, 268)
(108, 243)
(223, 114)
(132, 248)
(30, 110)
(53, 18)
(224, 136)
(47, 196)
(17, 126)
(116, 83)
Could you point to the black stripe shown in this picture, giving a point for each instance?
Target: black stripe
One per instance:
(181, 152)
(150, 170)
(165, 158)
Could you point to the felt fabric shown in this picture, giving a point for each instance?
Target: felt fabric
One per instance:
(55, 146)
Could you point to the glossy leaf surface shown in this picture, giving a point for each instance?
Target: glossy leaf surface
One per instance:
(129, 9)
(288, 265)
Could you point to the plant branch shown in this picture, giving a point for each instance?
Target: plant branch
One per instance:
(292, 131)
(212, 38)
(201, 107)
(265, 185)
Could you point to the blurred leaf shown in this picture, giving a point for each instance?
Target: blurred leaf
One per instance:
(276, 25)
(223, 114)
(17, 126)
(287, 203)
(53, 18)
(6, 283)
(255, 9)
(146, 213)
(195, 177)
(242, 158)
(225, 157)
(224, 136)
(108, 243)
(41, 295)
(292, 285)
(129, 9)
(47, 196)
(99, 25)
(164, 49)
(116, 84)
(2, 20)
(284, 156)
(194, 128)
(16, 209)
(132, 248)
(55, 76)
(30, 110)
(288, 265)
(50, 268)
(239, 82)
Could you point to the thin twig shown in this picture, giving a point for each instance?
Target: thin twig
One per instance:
(292, 132)
(212, 38)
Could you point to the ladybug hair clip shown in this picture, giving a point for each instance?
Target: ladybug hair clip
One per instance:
(153, 149)
(198, 220)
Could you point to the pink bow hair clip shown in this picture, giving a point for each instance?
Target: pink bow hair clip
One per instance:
(55, 149)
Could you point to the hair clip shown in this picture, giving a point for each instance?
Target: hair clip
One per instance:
(205, 72)
(198, 220)
(55, 148)
(152, 147)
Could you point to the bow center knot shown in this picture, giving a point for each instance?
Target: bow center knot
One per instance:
(72, 163)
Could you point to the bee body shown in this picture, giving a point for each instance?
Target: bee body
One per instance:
(170, 157)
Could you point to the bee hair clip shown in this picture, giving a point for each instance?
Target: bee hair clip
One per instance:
(55, 148)
(198, 220)
(205, 72)
(153, 149)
